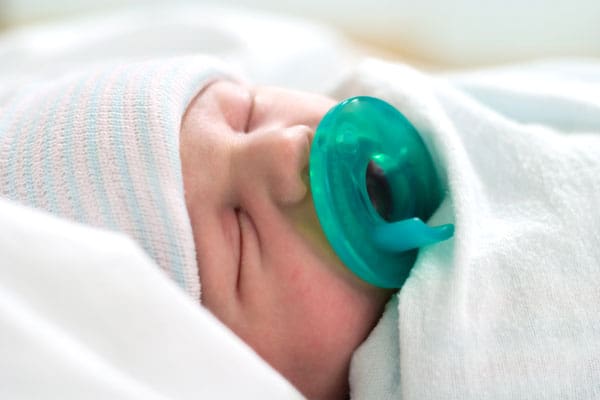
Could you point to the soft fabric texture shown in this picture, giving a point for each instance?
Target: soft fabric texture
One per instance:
(509, 308)
(86, 314)
(102, 148)
(500, 311)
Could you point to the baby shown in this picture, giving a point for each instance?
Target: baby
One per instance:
(264, 264)
(132, 148)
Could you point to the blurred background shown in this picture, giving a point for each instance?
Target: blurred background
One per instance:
(448, 34)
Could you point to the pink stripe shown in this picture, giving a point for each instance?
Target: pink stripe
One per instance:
(33, 126)
(88, 201)
(120, 205)
(37, 156)
(86, 175)
(58, 152)
(10, 141)
(137, 164)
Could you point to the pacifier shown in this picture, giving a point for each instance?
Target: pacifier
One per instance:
(373, 184)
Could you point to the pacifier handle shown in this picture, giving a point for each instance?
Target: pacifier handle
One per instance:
(409, 234)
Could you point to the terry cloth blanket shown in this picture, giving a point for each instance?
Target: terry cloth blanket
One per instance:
(510, 307)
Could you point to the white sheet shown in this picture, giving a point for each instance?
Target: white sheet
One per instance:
(85, 314)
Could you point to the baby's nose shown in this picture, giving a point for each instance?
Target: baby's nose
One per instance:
(275, 161)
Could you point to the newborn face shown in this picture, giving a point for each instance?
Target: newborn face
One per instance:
(266, 269)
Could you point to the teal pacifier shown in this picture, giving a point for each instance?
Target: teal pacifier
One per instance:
(373, 184)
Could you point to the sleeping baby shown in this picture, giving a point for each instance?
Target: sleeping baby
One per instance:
(208, 174)
(263, 262)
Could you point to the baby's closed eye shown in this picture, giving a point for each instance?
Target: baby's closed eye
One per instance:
(235, 103)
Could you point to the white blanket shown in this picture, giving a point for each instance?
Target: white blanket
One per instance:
(85, 314)
(510, 307)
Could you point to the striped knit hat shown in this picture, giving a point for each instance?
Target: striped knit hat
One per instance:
(102, 148)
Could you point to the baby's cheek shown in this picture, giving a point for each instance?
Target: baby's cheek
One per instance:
(328, 315)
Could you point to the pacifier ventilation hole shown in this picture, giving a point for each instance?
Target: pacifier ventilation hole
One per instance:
(379, 190)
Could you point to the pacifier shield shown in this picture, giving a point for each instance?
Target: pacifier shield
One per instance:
(370, 170)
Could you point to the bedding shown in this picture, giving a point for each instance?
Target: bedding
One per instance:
(508, 308)
(86, 314)
(268, 48)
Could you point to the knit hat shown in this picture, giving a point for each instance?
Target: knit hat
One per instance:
(102, 148)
